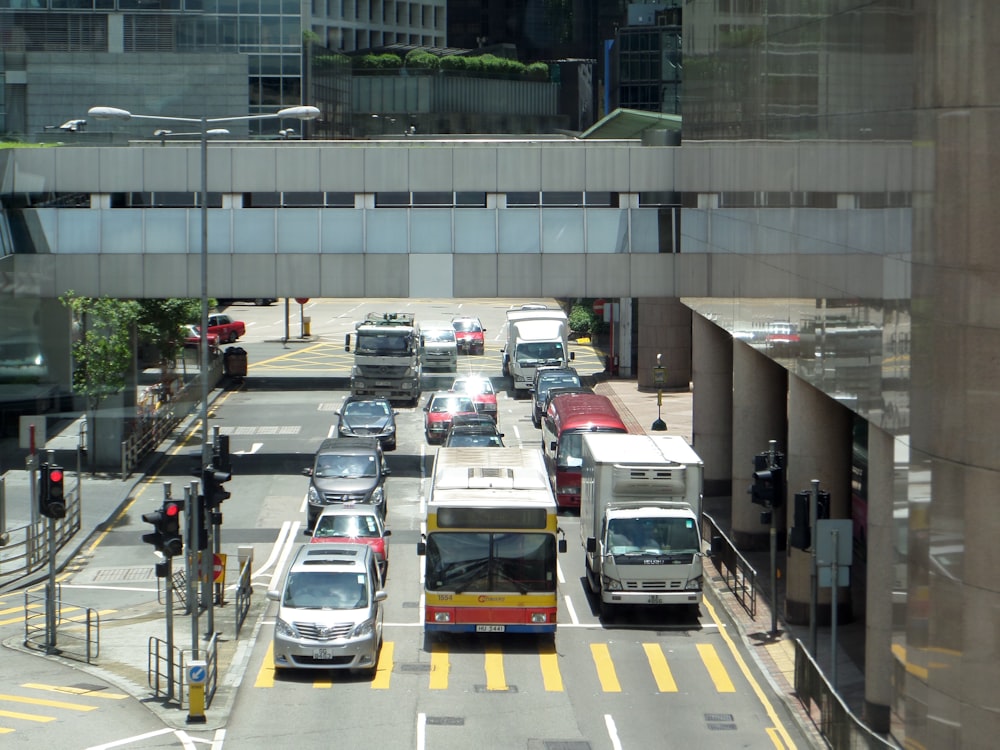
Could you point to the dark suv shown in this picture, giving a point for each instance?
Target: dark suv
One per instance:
(346, 471)
(545, 378)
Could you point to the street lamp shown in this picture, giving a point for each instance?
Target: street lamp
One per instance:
(303, 112)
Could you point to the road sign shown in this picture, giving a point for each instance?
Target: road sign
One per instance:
(599, 308)
(219, 568)
(831, 547)
(301, 300)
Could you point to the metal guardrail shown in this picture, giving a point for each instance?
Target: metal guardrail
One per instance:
(153, 429)
(841, 728)
(244, 595)
(740, 576)
(157, 668)
(77, 635)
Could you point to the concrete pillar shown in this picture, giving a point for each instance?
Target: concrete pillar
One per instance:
(712, 403)
(878, 589)
(664, 328)
(819, 447)
(760, 389)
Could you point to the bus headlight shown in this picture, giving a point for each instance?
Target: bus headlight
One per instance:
(442, 617)
(539, 618)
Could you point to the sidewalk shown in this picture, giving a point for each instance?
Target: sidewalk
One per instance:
(774, 653)
(123, 654)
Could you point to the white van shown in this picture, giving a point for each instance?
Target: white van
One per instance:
(438, 345)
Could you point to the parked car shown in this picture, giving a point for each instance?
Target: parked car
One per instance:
(329, 610)
(354, 524)
(545, 378)
(368, 416)
(438, 346)
(259, 301)
(346, 471)
(481, 389)
(192, 337)
(473, 435)
(469, 334)
(227, 329)
(440, 409)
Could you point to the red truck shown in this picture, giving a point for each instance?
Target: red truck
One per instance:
(227, 329)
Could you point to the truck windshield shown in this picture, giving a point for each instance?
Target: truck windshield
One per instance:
(383, 343)
(540, 353)
(660, 536)
(480, 561)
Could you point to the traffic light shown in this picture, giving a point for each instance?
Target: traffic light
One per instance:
(170, 528)
(51, 494)
(768, 481)
(166, 536)
(220, 454)
(212, 488)
(800, 535)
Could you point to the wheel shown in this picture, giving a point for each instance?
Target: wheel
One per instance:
(232, 337)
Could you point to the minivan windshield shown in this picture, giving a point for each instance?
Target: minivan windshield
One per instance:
(314, 589)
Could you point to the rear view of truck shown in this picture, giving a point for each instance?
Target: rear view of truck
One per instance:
(640, 515)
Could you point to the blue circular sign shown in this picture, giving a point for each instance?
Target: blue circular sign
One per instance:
(196, 673)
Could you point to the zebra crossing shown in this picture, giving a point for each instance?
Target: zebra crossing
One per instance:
(490, 668)
(34, 703)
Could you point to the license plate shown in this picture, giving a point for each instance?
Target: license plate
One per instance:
(654, 599)
(490, 628)
(322, 653)
(382, 383)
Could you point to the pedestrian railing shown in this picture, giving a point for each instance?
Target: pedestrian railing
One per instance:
(841, 728)
(739, 575)
(244, 596)
(77, 629)
(167, 670)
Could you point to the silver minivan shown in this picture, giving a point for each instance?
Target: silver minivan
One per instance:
(438, 345)
(329, 610)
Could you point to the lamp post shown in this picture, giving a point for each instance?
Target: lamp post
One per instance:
(203, 123)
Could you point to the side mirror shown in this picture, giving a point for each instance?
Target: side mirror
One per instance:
(388, 532)
(421, 548)
(307, 472)
(274, 595)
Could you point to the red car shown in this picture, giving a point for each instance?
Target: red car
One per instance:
(193, 339)
(439, 410)
(469, 335)
(483, 394)
(358, 524)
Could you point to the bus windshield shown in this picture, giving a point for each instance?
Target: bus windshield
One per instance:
(480, 561)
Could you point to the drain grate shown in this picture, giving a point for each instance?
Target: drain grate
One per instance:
(566, 745)
(720, 722)
(417, 668)
(446, 721)
(718, 717)
(112, 575)
(484, 689)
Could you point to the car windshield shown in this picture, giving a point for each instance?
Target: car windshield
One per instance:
(440, 335)
(474, 440)
(557, 381)
(345, 466)
(325, 590)
(474, 386)
(350, 526)
(467, 326)
(452, 404)
(366, 409)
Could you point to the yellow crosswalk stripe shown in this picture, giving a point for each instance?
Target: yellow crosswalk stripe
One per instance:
(26, 717)
(45, 702)
(265, 677)
(710, 657)
(661, 670)
(439, 667)
(384, 671)
(75, 691)
(551, 676)
(495, 678)
(605, 668)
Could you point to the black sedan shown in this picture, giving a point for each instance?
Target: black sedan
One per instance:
(368, 416)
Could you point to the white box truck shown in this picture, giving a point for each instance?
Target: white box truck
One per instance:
(640, 519)
(535, 338)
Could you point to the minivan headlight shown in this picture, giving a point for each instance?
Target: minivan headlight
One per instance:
(314, 496)
(285, 628)
(378, 494)
(364, 629)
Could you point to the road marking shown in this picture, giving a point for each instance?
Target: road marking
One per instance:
(551, 676)
(383, 673)
(661, 670)
(26, 717)
(74, 691)
(47, 703)
(439, 667)
(616, 743)
(131, 740)
(605, 668)
(495, 677)
(265, 677)
(710, 658)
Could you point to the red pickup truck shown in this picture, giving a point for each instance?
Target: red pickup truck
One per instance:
(227, 329)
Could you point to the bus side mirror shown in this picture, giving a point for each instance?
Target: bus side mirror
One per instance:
(421, 548)
(562, 546)
(591, 545)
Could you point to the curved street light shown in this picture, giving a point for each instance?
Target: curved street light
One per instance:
(301, 112)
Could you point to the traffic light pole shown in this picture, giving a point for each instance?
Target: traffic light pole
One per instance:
(168, 598)
(813, 572)
(193, 567)
(51, 621)
(773, 539)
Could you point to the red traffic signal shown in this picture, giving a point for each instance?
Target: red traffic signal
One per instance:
(51, 493)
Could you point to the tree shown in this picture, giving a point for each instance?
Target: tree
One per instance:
(161, 323)
(103, 351)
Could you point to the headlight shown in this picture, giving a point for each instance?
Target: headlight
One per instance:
(364, 629)
(344, 429)
(611, 584)
(378, 494)
(285, 628)
(314, 496)
(694, 584)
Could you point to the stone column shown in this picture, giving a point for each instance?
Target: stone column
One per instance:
(664, 328)
(878, 593)
(819, 447)
(712, 403)
(759, 404)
